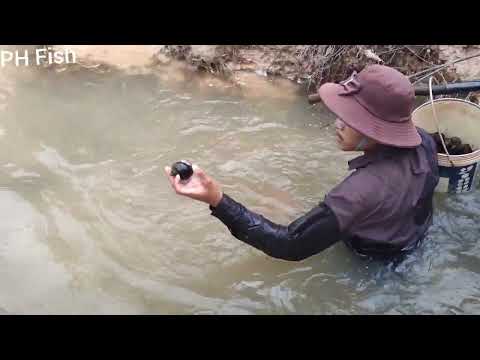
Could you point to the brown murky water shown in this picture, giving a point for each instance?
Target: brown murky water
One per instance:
(90, 225)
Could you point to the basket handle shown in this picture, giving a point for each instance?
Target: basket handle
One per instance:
(437, 122)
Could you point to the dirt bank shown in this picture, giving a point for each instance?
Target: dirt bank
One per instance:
(312, 65)
(241, 66)
(169, 65)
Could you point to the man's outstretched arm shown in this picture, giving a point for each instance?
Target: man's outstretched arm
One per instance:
(306, 236)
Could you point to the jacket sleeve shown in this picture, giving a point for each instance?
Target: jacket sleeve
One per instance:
(306, 236)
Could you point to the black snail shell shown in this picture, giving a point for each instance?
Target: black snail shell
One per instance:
(182, 168)
(455, 141)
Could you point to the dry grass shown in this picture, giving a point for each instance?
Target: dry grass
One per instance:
(316, 64)
(322, 63)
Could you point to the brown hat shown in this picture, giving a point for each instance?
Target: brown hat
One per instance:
(377, 102)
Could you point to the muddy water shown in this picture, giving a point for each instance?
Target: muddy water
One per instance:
(90, 225)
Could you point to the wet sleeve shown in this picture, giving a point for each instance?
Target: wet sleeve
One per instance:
(306, 236)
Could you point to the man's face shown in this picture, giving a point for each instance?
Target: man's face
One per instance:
(347, 138)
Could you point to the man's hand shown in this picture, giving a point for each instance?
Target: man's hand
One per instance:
(199, 186)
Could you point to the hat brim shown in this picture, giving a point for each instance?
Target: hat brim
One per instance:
(356, 116)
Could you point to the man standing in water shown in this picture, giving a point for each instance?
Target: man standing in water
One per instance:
(381, 210)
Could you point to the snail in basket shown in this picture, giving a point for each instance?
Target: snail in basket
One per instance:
(454, 145)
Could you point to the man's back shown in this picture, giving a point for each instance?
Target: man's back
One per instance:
(385, 205)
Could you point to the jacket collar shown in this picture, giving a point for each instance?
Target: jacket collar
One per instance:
(379, 153)
(419, 163)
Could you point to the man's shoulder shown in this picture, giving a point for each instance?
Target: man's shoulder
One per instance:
(360, 186)
(356, 196)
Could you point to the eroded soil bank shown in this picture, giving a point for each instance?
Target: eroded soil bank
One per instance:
(309, 66)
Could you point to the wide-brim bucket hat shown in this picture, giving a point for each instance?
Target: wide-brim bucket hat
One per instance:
(377, 102)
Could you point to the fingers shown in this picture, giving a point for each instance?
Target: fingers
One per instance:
(204, 178)
(197, 170)
(167, 170)
(182, 188)
(174, 181)
(176, 184)
(170, 177)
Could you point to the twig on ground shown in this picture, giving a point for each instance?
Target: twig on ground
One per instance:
(418, 56)
(389, 51)
(440, 67)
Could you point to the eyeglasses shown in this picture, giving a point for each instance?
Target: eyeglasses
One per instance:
(339, 124)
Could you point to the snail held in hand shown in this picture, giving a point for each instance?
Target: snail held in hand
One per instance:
(182, 168)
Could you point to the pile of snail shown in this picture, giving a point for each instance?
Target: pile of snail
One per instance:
(454, 145)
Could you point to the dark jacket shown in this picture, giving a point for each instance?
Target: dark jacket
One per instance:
(382, 209)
